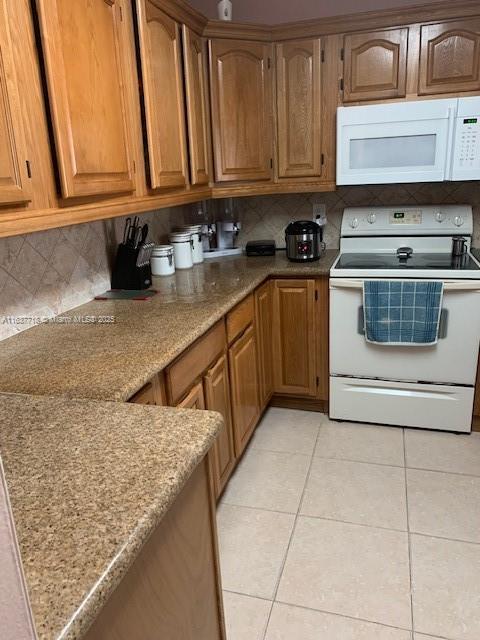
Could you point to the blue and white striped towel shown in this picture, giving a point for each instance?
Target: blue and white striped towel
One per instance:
(402, 312)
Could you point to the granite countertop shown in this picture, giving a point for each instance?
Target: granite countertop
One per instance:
(88, 482)
(113, 361)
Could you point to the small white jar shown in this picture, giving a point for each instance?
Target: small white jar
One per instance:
(182, 243)
(162, 260)
(196, 231)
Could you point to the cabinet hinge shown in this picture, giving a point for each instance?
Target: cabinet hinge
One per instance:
(271, 163)
(341, 84)
(318, 381)
(29, 169)
(342, 54)
(121, 12)
(134, 167)
(322, 159)
(323, 55)
(269, 63)
(316, 294)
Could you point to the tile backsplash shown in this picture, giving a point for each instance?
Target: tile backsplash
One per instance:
(46, 273)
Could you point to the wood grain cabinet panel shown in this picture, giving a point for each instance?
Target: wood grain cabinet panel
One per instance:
(242, 358)
(241, 109)
(83, 46)
(217, 398)
(15, 184)
(195, 61)
(375, 65)
(173, 589)
(264, 324)
(294, 337)
(298, 66)
(450, 57)
(162, 73)
(194, 398)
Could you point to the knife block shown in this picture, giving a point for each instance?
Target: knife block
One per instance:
(126, 273)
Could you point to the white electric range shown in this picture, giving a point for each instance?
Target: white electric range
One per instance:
(415, 385)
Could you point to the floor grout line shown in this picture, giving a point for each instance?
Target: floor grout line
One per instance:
(359, 524)
(282, 567)
(343, 615)
(408, 535)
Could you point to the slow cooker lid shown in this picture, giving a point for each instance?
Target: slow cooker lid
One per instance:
(300, 227)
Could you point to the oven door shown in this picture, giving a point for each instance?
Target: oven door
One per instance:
(398, 142)
(453, 360)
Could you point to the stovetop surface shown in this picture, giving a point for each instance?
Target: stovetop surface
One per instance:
(430, 261)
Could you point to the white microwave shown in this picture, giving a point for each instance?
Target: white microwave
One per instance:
(417, 141)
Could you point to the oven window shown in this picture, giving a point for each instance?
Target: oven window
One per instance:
(398, 151)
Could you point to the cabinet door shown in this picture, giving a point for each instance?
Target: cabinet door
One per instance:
(242, 358)
(14, 181)
(161, 56)
(83, 45)
(152, 393)
(450, 57)
(217, 397)
(375, 65)
(241, 109)
(299, 108)
(195, 59)
(294, 337)
(194, 399)
(263, 324)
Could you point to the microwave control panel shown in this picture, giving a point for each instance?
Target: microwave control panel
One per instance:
(466, 155)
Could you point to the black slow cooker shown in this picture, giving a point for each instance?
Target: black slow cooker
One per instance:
(303, 240)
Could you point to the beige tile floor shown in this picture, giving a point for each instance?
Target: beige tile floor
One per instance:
(343, 531)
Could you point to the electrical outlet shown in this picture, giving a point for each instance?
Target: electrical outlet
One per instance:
(320, 213)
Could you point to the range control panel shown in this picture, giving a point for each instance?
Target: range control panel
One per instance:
(430, 220)
(406, 217)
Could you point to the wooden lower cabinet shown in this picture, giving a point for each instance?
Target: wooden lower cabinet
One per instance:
(217, 398)
(294, 337)
(173, 589)
(263, 324)
(242, 359)
(194, 398)
(152, 393)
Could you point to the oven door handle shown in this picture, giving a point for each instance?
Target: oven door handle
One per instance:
(461, 285)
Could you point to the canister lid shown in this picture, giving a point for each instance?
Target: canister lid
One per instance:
(160, 250)
(180, 236)
(191, 228)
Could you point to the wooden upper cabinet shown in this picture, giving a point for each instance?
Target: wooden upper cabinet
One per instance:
(294, 337)
(450, 57)
(15, 184)
(162, 73)
(217, 398)
(299, 88)
(241, 101)
(195, 61)
(83, 46)
(375, 65)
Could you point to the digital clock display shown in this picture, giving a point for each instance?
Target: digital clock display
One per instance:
(470, 120)
(399, 215)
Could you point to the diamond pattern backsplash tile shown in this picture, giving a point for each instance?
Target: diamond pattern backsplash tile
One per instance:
(46, 273)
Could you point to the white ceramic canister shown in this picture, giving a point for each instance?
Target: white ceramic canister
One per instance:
(182, 243)
(162, 260)
(196, 231)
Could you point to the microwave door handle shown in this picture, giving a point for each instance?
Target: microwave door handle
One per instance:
(450, 146)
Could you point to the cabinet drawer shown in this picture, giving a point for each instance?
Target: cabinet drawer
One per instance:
(239, 318)
(192, 364)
